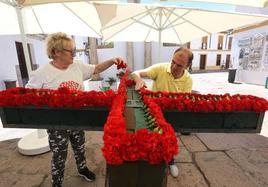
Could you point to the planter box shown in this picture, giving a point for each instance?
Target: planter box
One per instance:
(228, 122)
(139, 173)
(136, 174)
(54, 118)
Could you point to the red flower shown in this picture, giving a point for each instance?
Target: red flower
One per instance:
(121, 146)
(206, 103)
(130, 83)
(63, 97)
(121, 66)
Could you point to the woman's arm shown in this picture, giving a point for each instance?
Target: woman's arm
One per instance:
(106, 64)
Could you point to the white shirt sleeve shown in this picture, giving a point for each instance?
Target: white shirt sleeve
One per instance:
(36, 80)
(87, 70)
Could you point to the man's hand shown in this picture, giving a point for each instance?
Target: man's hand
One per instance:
(139, 84)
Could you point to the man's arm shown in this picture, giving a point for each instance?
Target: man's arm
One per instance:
(137, 75)
(151, 72)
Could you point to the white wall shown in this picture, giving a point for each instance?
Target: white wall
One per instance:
(211, 52)
(119, 50)
(80, 44)
(211, 59)
(166, 53)
(138, 50)
(8, 60)
(196, 60)
(8, 56)
(104, 54)
(196, 44)
(214, 41)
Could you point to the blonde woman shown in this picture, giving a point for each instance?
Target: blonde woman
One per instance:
(61, 71)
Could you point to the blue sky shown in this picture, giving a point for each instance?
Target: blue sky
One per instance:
(207, 6)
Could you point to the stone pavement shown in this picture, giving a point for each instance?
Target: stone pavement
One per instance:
(216, 160)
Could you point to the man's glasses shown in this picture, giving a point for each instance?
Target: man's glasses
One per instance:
(73, 52)
(178, 65)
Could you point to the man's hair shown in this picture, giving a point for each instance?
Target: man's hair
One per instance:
(191, 56)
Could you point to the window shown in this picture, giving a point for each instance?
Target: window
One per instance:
(218, 60)
(220, 41)
(187, 45)
(171, 45)
(228, 58)
(203, 60)
(230, 43)
(102, 45)
(204, 42)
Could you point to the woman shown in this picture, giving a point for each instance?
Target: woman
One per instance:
(63, 72)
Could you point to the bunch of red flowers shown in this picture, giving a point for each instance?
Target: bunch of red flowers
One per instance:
(120, 146)
(207, 103)
(63, 97)
(121, 65)
(130, 83)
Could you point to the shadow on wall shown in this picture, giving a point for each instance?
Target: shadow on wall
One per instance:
(2, 85)
(10, 83)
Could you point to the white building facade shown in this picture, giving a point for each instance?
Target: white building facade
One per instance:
(210, 53)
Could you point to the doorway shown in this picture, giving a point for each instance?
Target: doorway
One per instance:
(203, 59)
(227, 65)
(22, 62)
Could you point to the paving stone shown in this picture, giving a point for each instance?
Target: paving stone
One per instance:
(38, 164)
(224, 141)
(248, 167)
(78, 181)
(220, 170)
(254, 162)
(9, 144)
(47, 182)
(18, 180)
(94, 137)
(183, 156)
(189, 176)
(193, 144)
(73, 181)
(95, 162)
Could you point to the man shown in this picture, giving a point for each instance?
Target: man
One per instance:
(170, 77)
(62, 71)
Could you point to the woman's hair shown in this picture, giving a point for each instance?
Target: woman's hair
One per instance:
(56, 41)
(191, 56)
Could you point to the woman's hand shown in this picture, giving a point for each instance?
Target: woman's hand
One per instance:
(119, 62)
